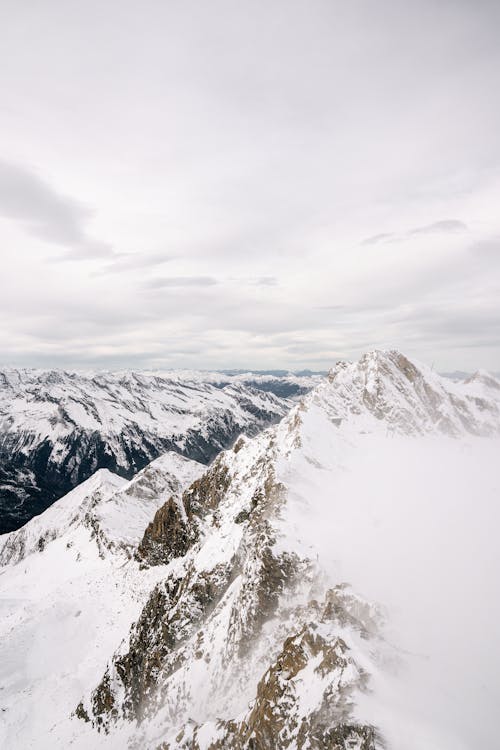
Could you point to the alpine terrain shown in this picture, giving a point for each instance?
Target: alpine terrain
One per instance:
(275, 599)
(57, 428)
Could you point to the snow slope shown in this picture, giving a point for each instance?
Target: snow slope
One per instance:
(69, 589)
(259, 566)
(115, 512)
(248, 636)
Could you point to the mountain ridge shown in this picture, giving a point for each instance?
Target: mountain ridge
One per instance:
(246, 505)
(245, 636)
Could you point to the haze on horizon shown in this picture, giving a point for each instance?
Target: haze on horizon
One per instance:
(249, 185)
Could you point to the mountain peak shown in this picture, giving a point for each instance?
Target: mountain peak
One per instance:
(483, 377)
(408, 397)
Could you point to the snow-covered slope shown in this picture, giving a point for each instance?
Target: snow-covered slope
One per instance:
(69, 588)
(58, 428)
(68, 511)
(483, 384)
(249, 638)
(115, 512)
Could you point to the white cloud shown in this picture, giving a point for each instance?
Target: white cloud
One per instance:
(253, 146)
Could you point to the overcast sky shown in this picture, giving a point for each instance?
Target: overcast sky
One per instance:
(249, 183)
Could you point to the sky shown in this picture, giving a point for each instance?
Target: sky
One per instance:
(249, 184)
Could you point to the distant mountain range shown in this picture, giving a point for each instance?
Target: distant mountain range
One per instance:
(57, 428)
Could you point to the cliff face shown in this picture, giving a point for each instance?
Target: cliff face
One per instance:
(305, 697)
(240, 619)
(175, 526)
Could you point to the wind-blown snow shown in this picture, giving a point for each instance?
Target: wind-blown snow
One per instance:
(382, 480)
(413, 523)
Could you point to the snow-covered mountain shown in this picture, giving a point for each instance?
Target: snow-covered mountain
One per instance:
(218, 616)
(70, 588)
(113, 511)
(58, 428)
(412, 399)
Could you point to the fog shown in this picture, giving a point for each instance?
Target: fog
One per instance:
(413, 524)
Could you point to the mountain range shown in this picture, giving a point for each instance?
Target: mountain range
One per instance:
(205, 607)
(57, 428)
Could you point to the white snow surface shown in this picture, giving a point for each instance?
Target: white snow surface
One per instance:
(411, 523)
(57, 428)
(66, 603)
(387, 485)
(61, 614)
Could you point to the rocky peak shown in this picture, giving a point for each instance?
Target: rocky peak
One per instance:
(245, 619)
(304, 699)
(169, 535)
(482, 377)
(243, 638)
(59, 520)
(408, 397)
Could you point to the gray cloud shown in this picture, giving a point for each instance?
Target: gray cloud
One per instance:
(133, 261)
(487, 250)
(265, 281)
(446, 226)
(254, 280)
(331, 307)
(46, 214)
(180, 281)
(251, 170)
(383, 237)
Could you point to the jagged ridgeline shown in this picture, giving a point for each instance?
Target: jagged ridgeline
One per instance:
(243, 644)
(195, 606)
(58, 428)
(204, 633)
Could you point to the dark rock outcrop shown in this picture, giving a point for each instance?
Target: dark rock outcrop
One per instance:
(169, 535)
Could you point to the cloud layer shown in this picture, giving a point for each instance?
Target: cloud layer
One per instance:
(211, 173)
(46, 214)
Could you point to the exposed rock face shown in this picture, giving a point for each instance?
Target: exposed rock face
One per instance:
(112, 511)
(410, 398)
(232, 631)
(315, 668)
(484, 380)
(175, 526)
(231, 602)
(243, 585)
(169, 535)
(245, 644)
